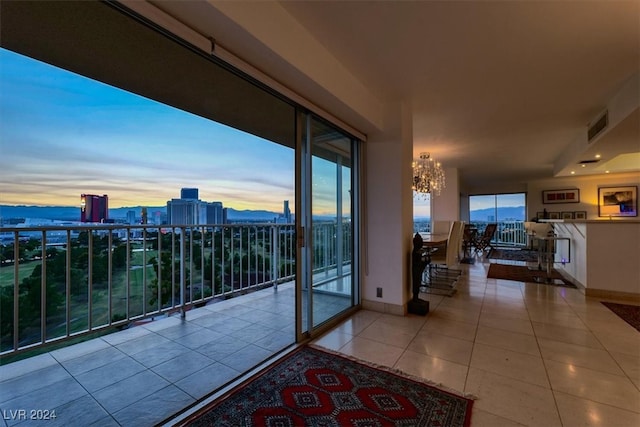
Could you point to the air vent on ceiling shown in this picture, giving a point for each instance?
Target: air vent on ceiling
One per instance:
(586, 162)
(598, 126)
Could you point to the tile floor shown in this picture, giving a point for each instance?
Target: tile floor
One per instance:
(145, 374)
(533, 355)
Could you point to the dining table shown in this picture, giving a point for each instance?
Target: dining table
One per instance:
(433, 240)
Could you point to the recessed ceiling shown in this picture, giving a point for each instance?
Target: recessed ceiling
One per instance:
(499, 90)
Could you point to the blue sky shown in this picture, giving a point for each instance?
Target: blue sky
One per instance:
(63, 134)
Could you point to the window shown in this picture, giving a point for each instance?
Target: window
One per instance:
(507, 210)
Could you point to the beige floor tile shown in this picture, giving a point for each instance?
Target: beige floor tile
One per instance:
(522, 343)
(464, 303)
(514, 400)
(630, 366)
(504, 291)
(600, 387)
(569, 335)
(372, 351)
(505, 310)
(409, 324)
(617, 324)
(358, 322)
(577, 412)
(333, 340)
(616, 341)
(388, 334)
(577, 355)
(480, 418)
(519, 366)
(559, 320)
(442, 346)
(506, 323)
(462, 330)
(440, 371)
(456, 314)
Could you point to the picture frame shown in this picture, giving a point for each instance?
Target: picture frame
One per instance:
(540, 215)
(554, 215)
(619, 201)
(567, 215)
(580, 215)
(561, 196)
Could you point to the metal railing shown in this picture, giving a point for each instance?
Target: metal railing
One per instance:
(508, 233)
(61, 282)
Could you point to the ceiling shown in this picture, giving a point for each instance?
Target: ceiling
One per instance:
(499, 90)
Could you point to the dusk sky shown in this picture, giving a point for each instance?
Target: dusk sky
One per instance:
(63, 134)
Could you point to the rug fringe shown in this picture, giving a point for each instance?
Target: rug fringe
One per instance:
(396, 371)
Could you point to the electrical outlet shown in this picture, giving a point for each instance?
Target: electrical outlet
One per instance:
(379, 292)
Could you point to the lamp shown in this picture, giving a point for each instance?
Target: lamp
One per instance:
(428, 176)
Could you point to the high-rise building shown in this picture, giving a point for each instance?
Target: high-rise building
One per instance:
(183, 212)
(189, 210)
(287, 212)
(94, 208)
(189, 193)
(131, 217)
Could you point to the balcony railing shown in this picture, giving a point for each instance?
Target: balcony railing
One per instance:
(508, 233)
(58, 283)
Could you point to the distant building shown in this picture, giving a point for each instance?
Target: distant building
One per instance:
(189, 210)
(143, 216)
(285, 216)
(189, 193)
(287, 212)
(94, 208)
(183, 212)
(214, 211)
(131, 217)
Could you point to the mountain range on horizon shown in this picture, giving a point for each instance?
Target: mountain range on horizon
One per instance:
(72, 213)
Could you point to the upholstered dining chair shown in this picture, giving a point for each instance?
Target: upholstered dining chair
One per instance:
(443, 263)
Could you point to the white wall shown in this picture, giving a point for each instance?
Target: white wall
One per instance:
(613, 257)
(446, 206)
(388, 213)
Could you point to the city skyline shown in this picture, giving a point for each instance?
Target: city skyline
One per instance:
(64, 135)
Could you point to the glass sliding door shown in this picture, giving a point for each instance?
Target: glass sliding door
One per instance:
(328, 284)
(507, 210)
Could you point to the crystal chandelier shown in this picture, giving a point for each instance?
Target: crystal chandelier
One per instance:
(428, 176)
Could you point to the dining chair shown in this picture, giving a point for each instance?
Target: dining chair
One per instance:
(484, 241)
(442, 267)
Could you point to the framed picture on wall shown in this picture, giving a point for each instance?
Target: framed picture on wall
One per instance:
(618, 201)
(567, 215)
(554, 215)
(581, 215)
(540, 215)
(561, 196)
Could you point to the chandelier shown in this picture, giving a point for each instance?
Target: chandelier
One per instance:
(428, 176)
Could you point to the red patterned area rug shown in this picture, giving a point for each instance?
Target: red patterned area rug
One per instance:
(314, 388)
(627, 312)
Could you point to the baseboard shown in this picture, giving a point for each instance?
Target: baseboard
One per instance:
(615, 295)
(383, 307)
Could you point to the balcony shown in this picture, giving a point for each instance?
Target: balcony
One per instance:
(89, 310)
